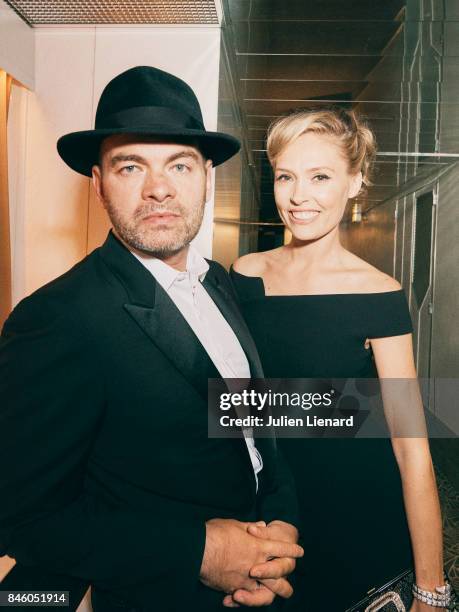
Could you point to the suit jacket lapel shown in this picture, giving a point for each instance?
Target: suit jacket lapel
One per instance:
(221, 293)
(166, 327)
(157, 315)
(227, 305)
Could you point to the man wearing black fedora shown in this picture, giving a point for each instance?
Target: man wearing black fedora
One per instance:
(108, 475)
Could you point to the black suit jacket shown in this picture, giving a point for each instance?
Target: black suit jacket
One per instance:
(108, 474)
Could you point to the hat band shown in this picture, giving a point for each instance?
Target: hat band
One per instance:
(142, 116)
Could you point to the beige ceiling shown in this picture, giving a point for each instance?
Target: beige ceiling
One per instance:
(40, 12)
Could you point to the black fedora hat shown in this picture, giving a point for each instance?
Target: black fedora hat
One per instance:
(145, 100)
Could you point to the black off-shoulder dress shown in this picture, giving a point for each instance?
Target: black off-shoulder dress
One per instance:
(353, 522)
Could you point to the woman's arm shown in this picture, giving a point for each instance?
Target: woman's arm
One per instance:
(394, 360)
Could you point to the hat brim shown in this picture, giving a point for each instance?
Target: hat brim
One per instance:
(80, 150)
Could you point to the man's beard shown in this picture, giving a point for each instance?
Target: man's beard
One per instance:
(161, 241)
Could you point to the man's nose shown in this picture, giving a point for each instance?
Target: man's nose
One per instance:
(157, 187)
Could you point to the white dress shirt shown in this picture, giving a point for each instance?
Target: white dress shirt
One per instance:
(207, 322)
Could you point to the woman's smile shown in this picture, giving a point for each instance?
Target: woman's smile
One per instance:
(303, 217)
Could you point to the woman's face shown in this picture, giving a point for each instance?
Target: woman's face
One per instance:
(312, 185)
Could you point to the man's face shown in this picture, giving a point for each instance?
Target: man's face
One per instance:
(154, 192)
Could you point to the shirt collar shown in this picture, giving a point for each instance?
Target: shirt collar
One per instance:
(196, 268)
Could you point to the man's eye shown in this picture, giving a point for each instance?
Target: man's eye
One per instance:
(181, 168)
(321, 177)
(128, 169)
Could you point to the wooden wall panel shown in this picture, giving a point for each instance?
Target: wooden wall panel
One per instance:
(5, 243)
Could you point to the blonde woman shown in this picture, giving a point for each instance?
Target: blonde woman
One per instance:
(369, 506)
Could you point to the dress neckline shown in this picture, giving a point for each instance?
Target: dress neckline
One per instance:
(261, 283)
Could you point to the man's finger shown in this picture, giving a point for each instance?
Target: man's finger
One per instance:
(261, 597)
(228, 602)
(276, 530)
(274, 548)
(280, 587)
(276, 568)
(269, 533)
(261, 531)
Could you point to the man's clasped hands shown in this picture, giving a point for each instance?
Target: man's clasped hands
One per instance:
(249, 561)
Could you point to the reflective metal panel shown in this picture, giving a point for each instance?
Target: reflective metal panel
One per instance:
(397, 64)
(387, 60)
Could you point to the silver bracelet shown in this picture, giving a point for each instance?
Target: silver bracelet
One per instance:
(440, 598)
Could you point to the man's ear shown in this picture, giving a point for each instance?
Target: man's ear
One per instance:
(208, 168)
(356, 185)
(97, 183)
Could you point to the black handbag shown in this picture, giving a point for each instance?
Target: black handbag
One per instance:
(394, 596)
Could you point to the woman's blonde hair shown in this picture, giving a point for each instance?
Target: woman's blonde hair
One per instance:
(356, 139)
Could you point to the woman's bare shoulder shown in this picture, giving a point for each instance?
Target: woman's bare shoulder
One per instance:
(253, 264)
(370, 278)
